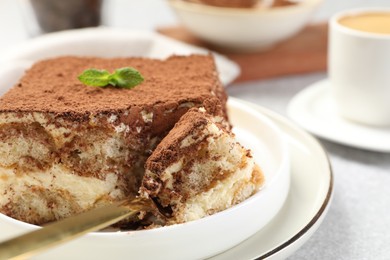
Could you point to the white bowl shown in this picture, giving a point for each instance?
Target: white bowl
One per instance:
(201, 238)
(192, 240)
(244, 29)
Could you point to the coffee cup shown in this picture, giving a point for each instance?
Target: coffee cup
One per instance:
(359, 65)
(44, 16)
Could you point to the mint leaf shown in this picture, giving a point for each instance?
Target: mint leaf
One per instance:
(126, 78)
(123, 78)
(95, 78)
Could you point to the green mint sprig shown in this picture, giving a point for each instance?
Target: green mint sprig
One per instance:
(123, 78)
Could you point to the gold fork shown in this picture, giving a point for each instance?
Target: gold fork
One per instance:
(61, 231)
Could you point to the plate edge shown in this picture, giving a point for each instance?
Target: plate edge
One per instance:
(328, 197)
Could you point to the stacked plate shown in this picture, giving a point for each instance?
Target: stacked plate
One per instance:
(272, 223)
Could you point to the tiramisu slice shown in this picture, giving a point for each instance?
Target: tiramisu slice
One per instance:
(200, 169)
(66, 147)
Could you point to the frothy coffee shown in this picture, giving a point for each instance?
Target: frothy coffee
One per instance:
(373, 22)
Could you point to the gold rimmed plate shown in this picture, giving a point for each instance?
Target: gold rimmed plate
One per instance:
(304, 209)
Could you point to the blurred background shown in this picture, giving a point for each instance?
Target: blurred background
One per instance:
(145, 14)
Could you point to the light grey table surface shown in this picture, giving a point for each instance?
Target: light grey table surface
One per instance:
(357, 225)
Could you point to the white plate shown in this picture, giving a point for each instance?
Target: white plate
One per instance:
(311, 187)
(306, 205)
(109, 42)
(270, 151)
(308, 201)
(314, 109)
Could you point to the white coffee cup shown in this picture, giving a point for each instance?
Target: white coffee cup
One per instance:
(359, 70)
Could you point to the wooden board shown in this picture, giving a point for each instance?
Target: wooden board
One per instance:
(305, 52)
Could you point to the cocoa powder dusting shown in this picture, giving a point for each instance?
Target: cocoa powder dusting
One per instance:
(52, 86)
(169, 151)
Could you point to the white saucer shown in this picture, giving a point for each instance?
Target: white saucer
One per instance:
(314, 109)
